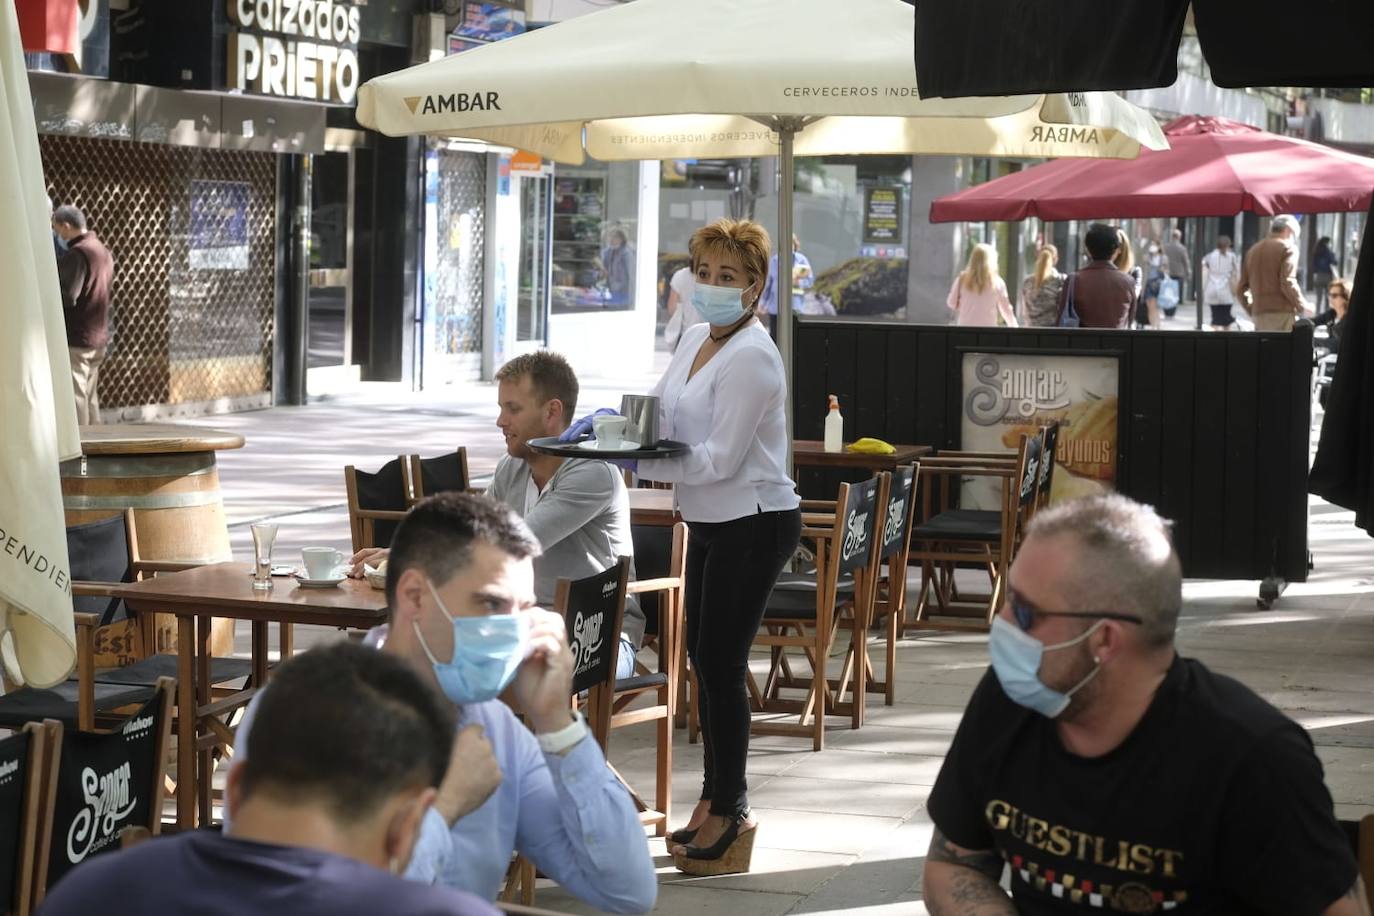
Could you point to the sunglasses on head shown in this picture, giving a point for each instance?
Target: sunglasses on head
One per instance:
(1024, 612)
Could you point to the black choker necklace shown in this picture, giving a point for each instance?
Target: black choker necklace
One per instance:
(728, 334)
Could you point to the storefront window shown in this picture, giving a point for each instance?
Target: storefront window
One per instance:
(595, 210)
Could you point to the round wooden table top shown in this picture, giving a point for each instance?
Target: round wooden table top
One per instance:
(154, 439)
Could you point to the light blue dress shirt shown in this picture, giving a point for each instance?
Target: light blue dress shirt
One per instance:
(568, 814)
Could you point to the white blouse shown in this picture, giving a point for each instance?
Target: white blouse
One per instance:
(733, 414)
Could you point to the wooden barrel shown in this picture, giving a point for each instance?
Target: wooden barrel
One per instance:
(167, 475)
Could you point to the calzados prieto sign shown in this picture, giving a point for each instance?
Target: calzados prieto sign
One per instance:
(300, 48)
(1008, 395)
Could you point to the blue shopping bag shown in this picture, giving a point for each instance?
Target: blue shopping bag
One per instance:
(1169, 294)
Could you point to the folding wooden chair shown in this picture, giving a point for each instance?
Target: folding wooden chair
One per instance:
(889, 606)
(128, 764)
(377, 502)
(517, 891)
(946, 536)
(444, 474)
(1049, 454)
(663, 683)
(594, 609)
(23, 828)
(656, 558)
(806, 615)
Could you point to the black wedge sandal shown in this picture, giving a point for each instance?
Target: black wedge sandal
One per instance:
(728, 855)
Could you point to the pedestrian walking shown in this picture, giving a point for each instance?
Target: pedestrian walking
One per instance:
(1324, 263)
(1124, 259)
(85, 274)
(1155, 273)
(803, 278)
(1040, 291)
(1180, 268)
(1268, 286)
(979, 295)
(1102, 295)
(1220, 274)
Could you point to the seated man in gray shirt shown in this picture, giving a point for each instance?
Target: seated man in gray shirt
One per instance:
(578, 508)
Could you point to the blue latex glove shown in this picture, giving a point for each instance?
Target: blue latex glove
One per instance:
(583, 427)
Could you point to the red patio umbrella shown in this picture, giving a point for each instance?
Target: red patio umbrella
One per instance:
(1214, 167)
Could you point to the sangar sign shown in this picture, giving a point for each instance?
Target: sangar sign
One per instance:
(305, 49)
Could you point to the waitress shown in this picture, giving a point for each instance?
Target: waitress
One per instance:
(725, 393)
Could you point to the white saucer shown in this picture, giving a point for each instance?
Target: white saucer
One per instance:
(591, 446)
(303, 582)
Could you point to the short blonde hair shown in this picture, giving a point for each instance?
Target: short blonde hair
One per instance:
(742, 240)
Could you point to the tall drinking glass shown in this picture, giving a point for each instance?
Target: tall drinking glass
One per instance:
(264, 535)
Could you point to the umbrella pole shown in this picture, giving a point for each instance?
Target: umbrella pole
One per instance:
(783, 282)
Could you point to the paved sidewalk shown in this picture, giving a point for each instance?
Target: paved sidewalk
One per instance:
(843, 831)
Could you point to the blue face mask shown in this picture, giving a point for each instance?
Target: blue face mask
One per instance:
(1016, 657)
(487, 651)
(719, 305)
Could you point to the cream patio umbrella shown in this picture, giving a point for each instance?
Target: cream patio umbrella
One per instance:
(36, 406)
(666, 79)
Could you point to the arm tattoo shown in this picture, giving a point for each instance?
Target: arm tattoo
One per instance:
(984, 861)
(971, 888)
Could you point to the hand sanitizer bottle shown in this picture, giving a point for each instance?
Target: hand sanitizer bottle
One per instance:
(834, 427)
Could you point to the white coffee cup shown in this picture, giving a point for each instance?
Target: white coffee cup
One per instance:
(322, 562)
(609, 431)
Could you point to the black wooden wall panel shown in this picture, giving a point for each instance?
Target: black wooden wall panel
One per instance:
(1215, 429)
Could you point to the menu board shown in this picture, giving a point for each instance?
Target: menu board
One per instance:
(883, 216)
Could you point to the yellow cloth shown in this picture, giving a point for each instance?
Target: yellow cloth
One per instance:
(867, 446)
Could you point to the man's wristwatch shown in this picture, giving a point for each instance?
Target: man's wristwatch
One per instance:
(563, 740)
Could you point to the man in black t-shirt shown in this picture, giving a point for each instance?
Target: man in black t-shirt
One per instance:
(349, 746)
(1109, 774)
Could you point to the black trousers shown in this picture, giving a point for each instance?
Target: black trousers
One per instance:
(731, 570)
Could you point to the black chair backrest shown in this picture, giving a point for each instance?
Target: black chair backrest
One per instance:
(858, 522)
(386, 489)
(14, 779)
(1030, 482)
(1047, 459)
(99, 552)
(104, 784)
(653, 560)
(898, 516)
(594, 616)
(444, 474)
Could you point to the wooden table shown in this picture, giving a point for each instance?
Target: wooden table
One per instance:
(809, 453)
(225, 590)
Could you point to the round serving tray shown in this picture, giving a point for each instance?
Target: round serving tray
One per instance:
(666, 448)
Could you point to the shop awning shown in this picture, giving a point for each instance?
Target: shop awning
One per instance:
(1213, 167)
(1000, 47)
